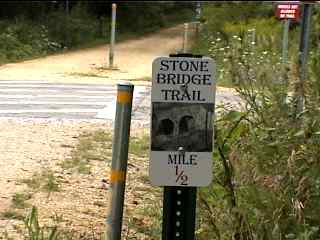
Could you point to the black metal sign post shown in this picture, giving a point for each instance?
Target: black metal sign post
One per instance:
(179, 205)
(179, 213)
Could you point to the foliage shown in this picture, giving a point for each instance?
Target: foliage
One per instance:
(236, 43)
(315, 27)
(44, 180)
(23, 40)
(37, 28)
(315, 74)
(150, 17)
(12, 214)
(19, 200)
(91, 146)
(35, 232)
(73, 29)
(139, 146)
(266, 182)
(241, 12)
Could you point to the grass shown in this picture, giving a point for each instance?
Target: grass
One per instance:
(13, 214)
(97, 146)
(33, 182)
(19, 200)
(91, 146)
(18, 204)
(144, 221)
(147, 79)
(86, 74)
(50, 183)
(139, 145)
(35, 231)
(76, 163)
(43, 181)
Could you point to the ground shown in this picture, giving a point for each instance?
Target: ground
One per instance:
(133, 59)
(31, 147)
(34, 146)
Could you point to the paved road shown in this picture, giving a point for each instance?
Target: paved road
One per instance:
(39, 99)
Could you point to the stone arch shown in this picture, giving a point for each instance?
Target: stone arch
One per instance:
(166, 127)
(186, 123)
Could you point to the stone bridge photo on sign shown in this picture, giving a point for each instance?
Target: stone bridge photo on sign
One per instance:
(176, 125)
(183, 102)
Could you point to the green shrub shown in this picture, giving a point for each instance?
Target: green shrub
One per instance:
(266, 181)
(72, 30)
(28, 35)
(24, 40)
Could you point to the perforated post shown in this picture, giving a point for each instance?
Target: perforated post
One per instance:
(179, 213)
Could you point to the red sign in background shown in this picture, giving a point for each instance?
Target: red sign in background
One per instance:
(288, 11)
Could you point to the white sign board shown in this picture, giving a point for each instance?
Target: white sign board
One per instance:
(183, 96)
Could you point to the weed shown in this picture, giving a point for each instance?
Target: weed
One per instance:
(146, 221)
(84, 168)
(87, 74)
(264, 159)
(147, 79)
(33, 182)
(44, 180)
(13, 214)
(91, 146)
(35, 232)
(50, 183)
(139, 146)
(19, 200)
(144, 179)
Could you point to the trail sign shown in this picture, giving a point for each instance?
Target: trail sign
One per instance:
(288, 11)
(183, 96)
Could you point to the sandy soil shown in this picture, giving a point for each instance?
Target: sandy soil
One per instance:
(27, 146)
(132, 59)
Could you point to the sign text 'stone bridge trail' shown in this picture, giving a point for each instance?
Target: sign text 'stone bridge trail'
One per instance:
(40, 99)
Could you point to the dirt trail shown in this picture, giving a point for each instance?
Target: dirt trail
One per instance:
(29, 145)
(133, 59)
(26, 146)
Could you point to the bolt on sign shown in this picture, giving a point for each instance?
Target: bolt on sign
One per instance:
(288, 11)
(183, 97)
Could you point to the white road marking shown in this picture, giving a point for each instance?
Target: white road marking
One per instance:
(49, 90)
(62, 110)
(24, 102)
(21, 97)
(72, 86)
(50, 95)
(22, 81)
(108, 112)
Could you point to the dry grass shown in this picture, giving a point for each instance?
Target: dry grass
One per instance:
(82, 201)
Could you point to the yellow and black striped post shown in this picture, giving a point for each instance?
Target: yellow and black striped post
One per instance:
(120, 148)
